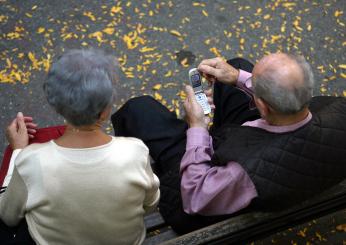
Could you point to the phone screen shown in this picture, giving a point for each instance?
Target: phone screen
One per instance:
(196, 80)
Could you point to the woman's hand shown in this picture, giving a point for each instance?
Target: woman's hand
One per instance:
(20, 130)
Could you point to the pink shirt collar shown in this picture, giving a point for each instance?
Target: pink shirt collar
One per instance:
(261, 123)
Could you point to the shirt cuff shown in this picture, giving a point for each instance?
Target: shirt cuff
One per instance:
(197, 137)
(11, 167)
(243, 79)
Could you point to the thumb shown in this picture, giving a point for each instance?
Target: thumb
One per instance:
(21, 122)
(190, 93)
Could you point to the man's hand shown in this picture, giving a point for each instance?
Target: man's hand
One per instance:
(19, 131)
(218, 69)
(194, 112)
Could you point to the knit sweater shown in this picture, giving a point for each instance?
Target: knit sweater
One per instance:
(95, 195)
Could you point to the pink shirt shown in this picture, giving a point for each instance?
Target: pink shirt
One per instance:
(208, 190)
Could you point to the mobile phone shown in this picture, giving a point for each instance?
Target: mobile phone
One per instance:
(196, 83)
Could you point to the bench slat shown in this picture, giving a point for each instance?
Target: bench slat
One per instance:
(161, 237)
(153, 221)
(253, 225)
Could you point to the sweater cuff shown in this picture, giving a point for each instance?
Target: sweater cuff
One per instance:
(11, 167)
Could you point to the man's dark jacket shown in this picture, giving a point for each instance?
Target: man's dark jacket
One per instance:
(287, 168)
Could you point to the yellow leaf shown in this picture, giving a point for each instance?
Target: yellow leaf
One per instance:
(146, 49)
(205, 13)
(109, 30)
(175, 33)
(9, 64)
(266, 17)
(90, 15)
(337, 13)
(342, 66)
(168, 74)
(309, 27)
(40, 30)
(184, 62)
(33, 59)
(344, 93)
(157, 96)
(215, 51)
(343, 75)
(157, 87)
(116, 9)
(17, 76)
(98, 35)
(182, 94)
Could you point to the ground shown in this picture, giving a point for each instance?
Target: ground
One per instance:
(156, 42)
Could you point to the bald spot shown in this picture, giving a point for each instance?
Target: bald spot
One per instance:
(281, 67)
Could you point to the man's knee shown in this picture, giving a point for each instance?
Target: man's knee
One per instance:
(241, 63)
(137, 108)
(140, 101)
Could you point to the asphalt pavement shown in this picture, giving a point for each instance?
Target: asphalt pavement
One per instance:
(157, 42)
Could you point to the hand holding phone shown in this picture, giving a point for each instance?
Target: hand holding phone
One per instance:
(196, 83)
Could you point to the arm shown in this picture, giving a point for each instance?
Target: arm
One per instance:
(153, 192)
(18, 134)
(205, 189)
(13, 200)
(211, 190)
(10, 168)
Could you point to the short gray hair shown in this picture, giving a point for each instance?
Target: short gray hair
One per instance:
(80, 85)
(283, 99)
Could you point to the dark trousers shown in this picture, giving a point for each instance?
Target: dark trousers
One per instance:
(165, 136)
(15, 236)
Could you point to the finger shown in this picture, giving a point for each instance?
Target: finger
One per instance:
(210, 100)
(211, 82)
(31, 136)
(13, 125)
(28, 119)
(186, 105)
(209, 70)
(190, 93)
(210, 79)
(209, 92)
(212, 107)
(31, 125)
(208, 62)
(20, 122)
(31, 131)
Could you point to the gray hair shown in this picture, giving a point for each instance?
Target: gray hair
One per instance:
(284, 99)
(80, 85)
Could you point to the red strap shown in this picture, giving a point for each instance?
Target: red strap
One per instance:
(42, 135)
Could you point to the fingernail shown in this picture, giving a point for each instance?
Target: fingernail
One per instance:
(20, 114)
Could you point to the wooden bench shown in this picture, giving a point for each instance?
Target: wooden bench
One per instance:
(250, 226)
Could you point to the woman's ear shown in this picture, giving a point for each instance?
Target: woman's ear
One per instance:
(105, 114)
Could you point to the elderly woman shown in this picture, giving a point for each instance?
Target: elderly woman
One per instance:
(85, 187)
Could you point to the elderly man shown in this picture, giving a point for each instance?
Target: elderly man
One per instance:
(271, 144)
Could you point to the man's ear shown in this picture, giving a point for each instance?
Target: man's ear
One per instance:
(263, 107)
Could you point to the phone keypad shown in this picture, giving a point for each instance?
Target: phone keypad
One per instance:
(203, 101)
